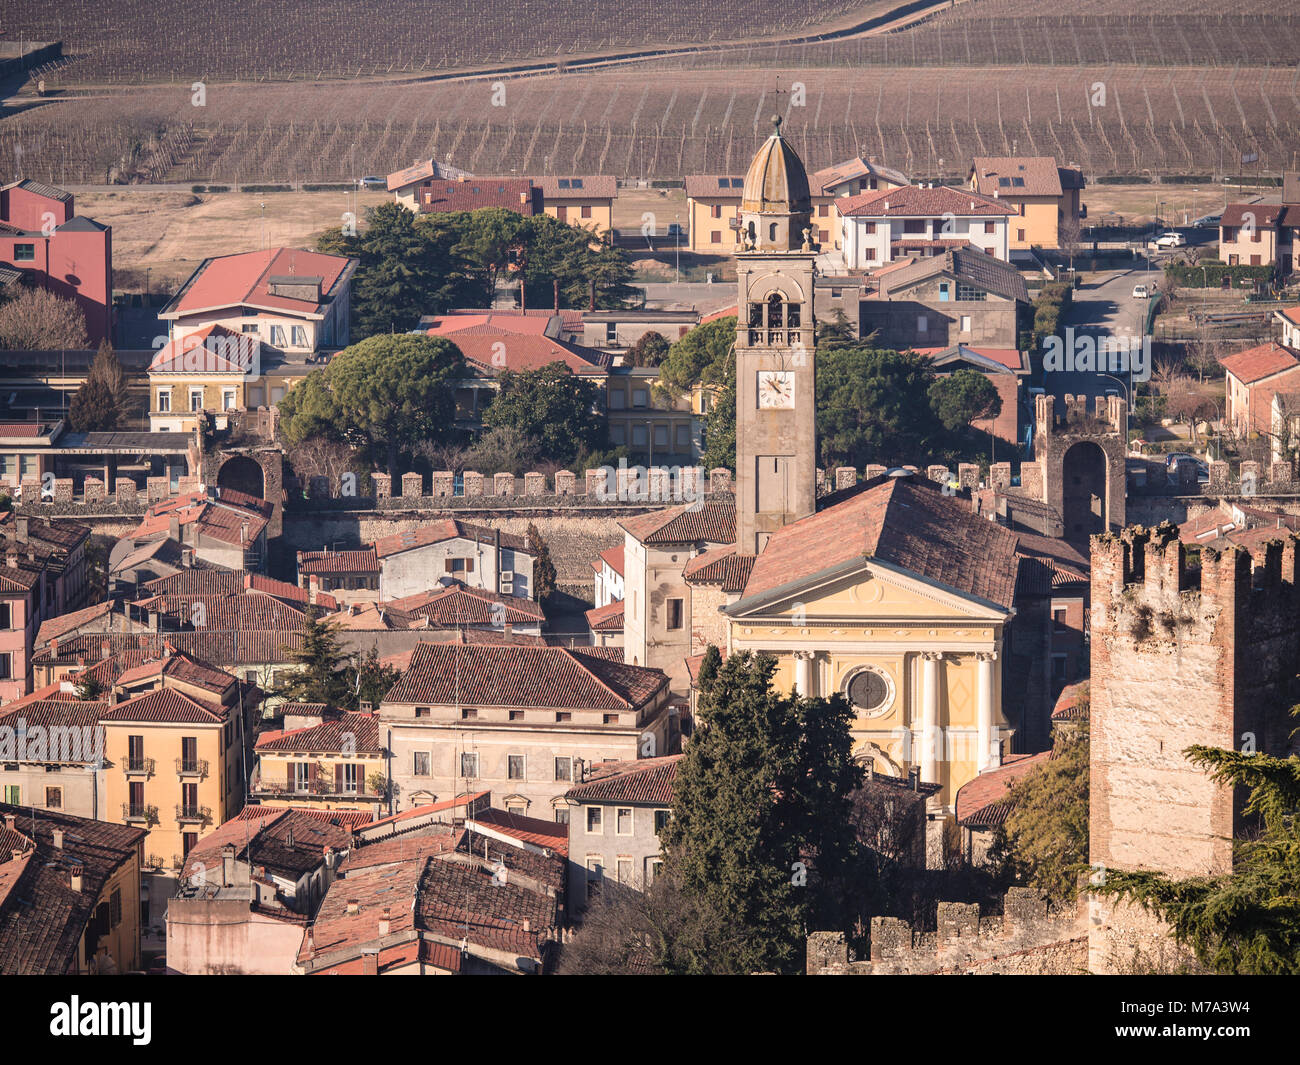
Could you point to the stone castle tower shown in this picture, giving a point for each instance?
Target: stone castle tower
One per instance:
(1181, 655)
(776, 447)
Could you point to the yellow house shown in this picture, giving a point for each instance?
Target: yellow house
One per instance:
(173, 749)
(1248, 234)
(581, 201)
(321, 760)
(896, 598)
(1045, 196)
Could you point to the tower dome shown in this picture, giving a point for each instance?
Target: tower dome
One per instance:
(775, 204)
(776, 182)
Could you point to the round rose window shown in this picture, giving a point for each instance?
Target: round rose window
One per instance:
(869, 691)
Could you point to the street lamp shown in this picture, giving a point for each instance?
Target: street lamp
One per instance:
(1128, 399)
(677, 258)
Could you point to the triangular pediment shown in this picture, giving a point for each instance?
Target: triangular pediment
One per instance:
(871, 590)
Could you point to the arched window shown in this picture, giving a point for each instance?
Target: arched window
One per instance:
(771, 232)
(775, 311)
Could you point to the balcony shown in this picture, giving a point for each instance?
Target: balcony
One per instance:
(192, 767)
(196, 814)
(139, 813)
(138, 767)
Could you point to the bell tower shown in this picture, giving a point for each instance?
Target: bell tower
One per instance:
(776, 432)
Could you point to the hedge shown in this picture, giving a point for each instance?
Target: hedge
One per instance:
(678, 184)
(265, 188)
(209, 188)
(1187, 179)
(1196, 277)
(1124, 179)
(336, 187)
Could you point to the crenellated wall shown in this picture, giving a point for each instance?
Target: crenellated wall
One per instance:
(1028, 938)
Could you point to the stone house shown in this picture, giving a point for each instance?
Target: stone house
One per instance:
(616, 814)
(411, 563)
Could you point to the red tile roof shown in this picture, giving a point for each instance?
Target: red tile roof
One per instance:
(181, 667)
(214, 349)
(912, 200)
(65, 623)
(534, 830)
(613, 558)
(714, 522)
(542, 677)
(903, 521)
(491, 351)
(286, 842)
(458, 604)
(591, 187)
(323, 562)
(244, 280)
(720, 566)
(648, 780)
(474, 194)
(714, 186)
(982, 802)
(1073, 703)
(352, 733)
(1255, 364)
(1017, 175)
(1260, 215)
(435, 532)
(607, 618)
(166, 706)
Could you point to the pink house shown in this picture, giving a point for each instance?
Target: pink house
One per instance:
(41, 234)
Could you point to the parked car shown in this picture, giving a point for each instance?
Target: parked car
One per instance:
(1170, 240)
(1175, 457)
(1208, 221)
(1141, 292)
(372, 182)
(675, 230)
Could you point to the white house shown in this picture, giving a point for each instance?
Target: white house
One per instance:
(879, 227)
(609, 576)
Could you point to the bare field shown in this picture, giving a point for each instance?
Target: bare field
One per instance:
(927, 121)
(161, 230)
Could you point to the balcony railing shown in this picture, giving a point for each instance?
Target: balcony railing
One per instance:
(192, 767)
(202, 814)
(132, 811)
(139, 766)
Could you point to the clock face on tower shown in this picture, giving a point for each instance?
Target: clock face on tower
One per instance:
(776, 389)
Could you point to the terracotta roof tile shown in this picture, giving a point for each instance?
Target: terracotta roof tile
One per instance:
(243, 280)
(1016, 175)
(459, 604)
(713, 522)
(323, 562)
(166, 706)
(982, 802)
(720, 566)
(912, 200)
(351, 733)
(648, 780)
(905, 522)
(542, 677)
(607, 618)
(436, 532)
(1255, 364)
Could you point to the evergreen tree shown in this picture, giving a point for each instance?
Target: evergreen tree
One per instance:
(552, 405)
(321, 661)
(108, 369)
(93, 408)
(369, 683)
(543, 567)
(963, 397)
(649, 350)
(761, 813)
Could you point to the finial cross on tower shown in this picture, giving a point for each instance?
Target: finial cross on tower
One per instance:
(778, 92)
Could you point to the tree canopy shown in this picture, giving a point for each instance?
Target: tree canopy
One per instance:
(701, 356)
(99, 405)
(37, 320)
(649, 350)
(382, 394)
(417, 264)
(552, 406)
(320, 661)
(962, 397)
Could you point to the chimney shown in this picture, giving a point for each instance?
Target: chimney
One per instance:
(384, 923)
(370, 963)
(9, 822)
(509, 629)
(523, 198)
(311, 941)
(54, 647)
(16, 853)
(20, 529)
(354, 906)
(187, 558)
(153, 625)
(11, 559)
(528, 925)
(105, 649)
(228, 865)
(58, 839)
(74, 877)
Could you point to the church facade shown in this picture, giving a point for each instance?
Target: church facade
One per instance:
(893, 593)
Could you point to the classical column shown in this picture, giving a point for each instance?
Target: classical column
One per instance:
(988, 759)
(803, 672)
(930, 717)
